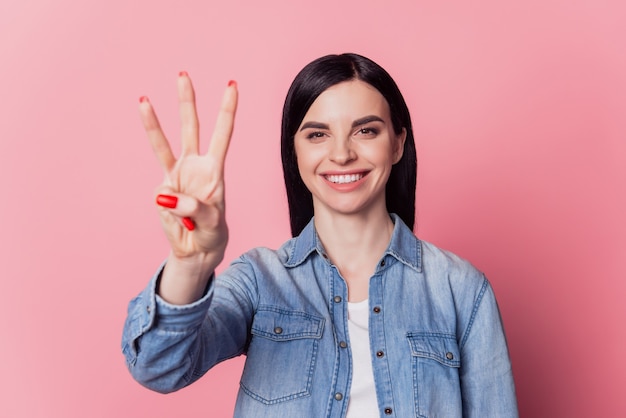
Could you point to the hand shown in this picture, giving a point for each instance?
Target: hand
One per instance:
(191, 198)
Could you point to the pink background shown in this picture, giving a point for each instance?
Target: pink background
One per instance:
(518, 109)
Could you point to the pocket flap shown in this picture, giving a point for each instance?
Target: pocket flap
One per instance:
(281, 325)
(437, 346)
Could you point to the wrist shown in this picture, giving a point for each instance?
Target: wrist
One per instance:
(195, 265)
(184, 280)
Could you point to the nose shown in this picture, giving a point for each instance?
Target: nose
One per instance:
(341, 151)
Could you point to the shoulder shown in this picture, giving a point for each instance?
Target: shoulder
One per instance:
(291, 254)
(453, 280)
(259, 257)
(439, 258)
(457, 273)
(439, 266)
(281, 254)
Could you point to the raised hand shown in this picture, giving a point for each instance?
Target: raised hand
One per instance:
(191, 198)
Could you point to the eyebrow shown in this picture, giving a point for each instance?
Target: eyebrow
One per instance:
(366, 120)
(361, 121)
(314, 125)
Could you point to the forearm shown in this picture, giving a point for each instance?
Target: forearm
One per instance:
(169, 346)
(184, 280)
(158, 336)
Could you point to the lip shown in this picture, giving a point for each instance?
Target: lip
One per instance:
(344, 187)
(344, 172)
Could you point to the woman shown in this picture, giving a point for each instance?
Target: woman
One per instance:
(354, 316)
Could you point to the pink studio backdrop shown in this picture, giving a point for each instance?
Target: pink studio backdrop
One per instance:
(518, 109)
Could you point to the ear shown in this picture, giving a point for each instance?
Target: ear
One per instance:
(398, 146)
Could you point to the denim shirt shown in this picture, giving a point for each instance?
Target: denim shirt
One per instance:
(438, 348)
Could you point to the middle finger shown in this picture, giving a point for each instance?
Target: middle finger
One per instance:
(188, 115)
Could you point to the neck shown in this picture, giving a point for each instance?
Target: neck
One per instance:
(356, 241)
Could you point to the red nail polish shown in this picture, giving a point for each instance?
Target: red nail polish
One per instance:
(167, 201)
(232, 83)
(189, 223)
(183, 73)
(143, 99)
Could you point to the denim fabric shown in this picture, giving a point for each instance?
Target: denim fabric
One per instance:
(437, 342)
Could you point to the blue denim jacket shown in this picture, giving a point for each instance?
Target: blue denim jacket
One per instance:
(437, 342)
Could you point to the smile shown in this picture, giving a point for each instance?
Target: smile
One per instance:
(344, 178)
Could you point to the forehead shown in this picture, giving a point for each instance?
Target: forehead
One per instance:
(349, 100)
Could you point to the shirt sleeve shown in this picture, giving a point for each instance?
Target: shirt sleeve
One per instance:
(168, 347)
(487, 383)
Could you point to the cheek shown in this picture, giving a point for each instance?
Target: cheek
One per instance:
(395, 150)
(305, 162)
(309, 156)
(383, 154)
(300, 157)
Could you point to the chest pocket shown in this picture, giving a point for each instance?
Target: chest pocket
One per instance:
(436, 360)
(281, 355)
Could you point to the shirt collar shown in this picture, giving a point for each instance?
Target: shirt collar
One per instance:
(404, 245)
(304, 244)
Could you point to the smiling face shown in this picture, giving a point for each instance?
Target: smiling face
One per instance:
(345, 147)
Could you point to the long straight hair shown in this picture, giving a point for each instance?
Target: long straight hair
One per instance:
(312, 81)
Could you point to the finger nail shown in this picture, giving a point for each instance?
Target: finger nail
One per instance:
(167, 201)
(189, 223)
(232, 83)
(143, 99)
(183, 73)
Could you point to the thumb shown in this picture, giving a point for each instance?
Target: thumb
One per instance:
(178, 204)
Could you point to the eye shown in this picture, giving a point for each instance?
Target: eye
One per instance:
(367, 132)
(315, 135)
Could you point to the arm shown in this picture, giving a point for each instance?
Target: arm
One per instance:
(170, 346)
(169, 326)
(486, 376)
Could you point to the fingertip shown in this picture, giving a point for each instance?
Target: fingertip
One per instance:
(231, 95)
(167, 201)
(188, 222)
(185, 86)
(144, 99)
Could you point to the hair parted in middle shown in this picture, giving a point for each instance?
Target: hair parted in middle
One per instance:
(313, 80)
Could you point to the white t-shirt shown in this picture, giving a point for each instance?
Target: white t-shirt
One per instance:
(362, 402)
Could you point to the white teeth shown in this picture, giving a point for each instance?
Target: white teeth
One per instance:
(344, 178)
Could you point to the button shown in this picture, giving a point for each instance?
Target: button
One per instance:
(325, 256)
(338, 396)
(380, 354)
(382, 263)
(148, 308)
(388, 411)
(376, 309)
(337, 299)
(278, 330)
(449, 356)
(343, 344)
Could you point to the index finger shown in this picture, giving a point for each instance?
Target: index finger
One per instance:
(224, 124)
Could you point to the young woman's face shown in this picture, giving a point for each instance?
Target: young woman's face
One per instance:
(346, 146)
